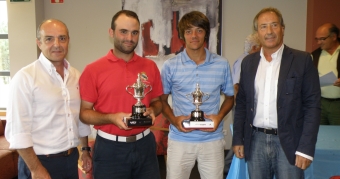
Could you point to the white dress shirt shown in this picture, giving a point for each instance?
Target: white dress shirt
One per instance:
(266, 79)
(43, 109)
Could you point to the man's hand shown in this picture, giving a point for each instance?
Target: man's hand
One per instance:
(239, 151)
(168, 113)
(213, 118)
(117, 119)
(178, 123)
(40, 172)
(302, 162)
(150, 112)
(87, 161)
(337, 82)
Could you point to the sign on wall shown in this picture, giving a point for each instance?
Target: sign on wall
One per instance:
(57, 1)
(20, 0)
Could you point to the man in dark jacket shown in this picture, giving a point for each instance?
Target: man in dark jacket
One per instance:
(278, 105)
(327, 59)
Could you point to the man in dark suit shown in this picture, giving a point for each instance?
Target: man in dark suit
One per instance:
(278, 105)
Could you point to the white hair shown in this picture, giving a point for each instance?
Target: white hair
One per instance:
(251, 40)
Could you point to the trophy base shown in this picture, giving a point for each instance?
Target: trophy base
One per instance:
(140, 122)
(198, 124)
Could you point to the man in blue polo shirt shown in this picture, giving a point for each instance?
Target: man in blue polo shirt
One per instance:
(180, 76)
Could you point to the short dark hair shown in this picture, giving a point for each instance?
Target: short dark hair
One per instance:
(268, 9)
(335, 30)
(194, 18)
(127, 13)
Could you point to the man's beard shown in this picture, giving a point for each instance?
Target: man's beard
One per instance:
(119, 46)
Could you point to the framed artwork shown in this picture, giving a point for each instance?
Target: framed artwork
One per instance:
(159, 37)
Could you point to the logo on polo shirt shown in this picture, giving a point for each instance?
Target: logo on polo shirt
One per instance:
(144, 76)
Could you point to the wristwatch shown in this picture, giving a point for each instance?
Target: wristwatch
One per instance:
(86, 148)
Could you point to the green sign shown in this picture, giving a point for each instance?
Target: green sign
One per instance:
(20, 0)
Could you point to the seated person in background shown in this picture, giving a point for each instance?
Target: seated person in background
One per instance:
(251, 45)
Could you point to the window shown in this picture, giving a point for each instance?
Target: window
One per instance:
(4, 56)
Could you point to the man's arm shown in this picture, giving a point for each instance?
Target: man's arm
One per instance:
(226, 106)
(240, 114)
(167, 112)
(236, 86)
(311, 96)
(237, 149)
(89, 116)
(154, 109)
(33, 163)
(85, 156)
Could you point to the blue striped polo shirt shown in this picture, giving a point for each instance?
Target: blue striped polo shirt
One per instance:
(179, 77)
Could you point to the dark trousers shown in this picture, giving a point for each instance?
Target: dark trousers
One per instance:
(330, 112)
(63, 167)
(125, 160)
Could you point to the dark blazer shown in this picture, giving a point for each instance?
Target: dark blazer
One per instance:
(298, 103)
(316, 55)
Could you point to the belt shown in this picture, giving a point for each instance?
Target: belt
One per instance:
(123, 138)
(61, 154)
(331, 99)
(266, 131)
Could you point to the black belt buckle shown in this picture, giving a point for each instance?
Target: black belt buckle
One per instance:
(131, 139)
(68, 152)
(270, 131)
(266, 131)
(61, 154)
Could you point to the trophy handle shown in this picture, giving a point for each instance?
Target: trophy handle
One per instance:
(208, 96)
(150, 88)
(187, 96)
(127, 90)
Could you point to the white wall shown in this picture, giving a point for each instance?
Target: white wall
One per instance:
(23, 18)
(238, 18)
(89, 21)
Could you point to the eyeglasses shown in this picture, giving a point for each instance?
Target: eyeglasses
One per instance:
(322, 38)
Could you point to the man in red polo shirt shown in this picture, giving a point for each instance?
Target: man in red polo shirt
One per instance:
(121, 152)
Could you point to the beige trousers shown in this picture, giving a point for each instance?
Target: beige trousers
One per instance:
(182, 156)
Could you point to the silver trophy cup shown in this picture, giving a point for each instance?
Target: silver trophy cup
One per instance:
(137, 118)
(197, 97)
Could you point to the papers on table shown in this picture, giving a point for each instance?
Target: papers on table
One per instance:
(328, 79)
